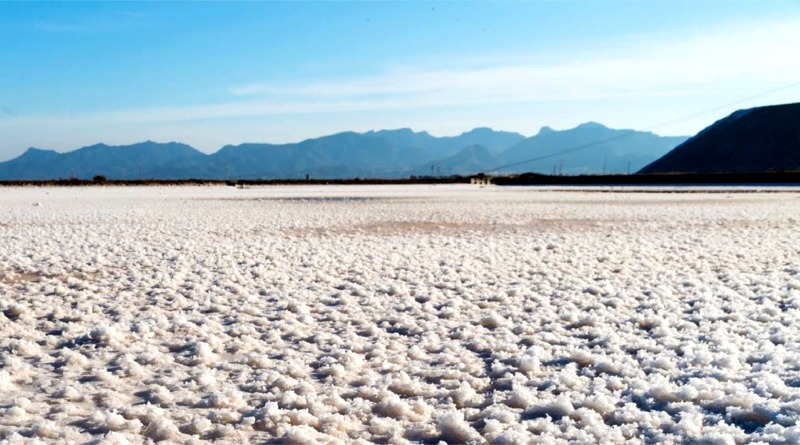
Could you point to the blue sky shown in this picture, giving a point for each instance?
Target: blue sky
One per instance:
(216, 73)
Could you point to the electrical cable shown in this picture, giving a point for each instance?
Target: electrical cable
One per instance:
(631, 133)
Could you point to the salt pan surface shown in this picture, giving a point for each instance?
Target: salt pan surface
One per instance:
(398, 314)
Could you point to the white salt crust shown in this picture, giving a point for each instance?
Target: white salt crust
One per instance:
(398, 314)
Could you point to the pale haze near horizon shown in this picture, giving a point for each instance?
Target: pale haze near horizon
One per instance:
(212, 74)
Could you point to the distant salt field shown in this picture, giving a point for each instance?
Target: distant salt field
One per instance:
(398, 314)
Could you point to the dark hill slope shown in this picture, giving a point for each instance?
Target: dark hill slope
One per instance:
(764, 139)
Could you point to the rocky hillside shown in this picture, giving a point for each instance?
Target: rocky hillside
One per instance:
(764, 139)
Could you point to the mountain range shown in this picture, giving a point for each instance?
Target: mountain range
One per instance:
(587, 148)
(755, 140)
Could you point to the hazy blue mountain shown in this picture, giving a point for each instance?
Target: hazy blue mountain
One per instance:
(586, 149)
(385, 153)
(494, 141)
(143, 160)
(33, 164)
(756, 140)
(469, 160)
(349, 154)
(439, 147)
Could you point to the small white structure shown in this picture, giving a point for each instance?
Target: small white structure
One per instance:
(480, 179)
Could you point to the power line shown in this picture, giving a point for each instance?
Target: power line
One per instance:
(568, 150)
(631, 133)
(719, 107)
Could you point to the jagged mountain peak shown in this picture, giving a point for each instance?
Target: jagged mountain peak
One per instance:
(35, 151)
(591, 125)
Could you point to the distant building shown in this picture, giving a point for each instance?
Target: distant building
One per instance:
(480, 179)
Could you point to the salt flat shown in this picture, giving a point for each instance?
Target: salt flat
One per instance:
(397, 314)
